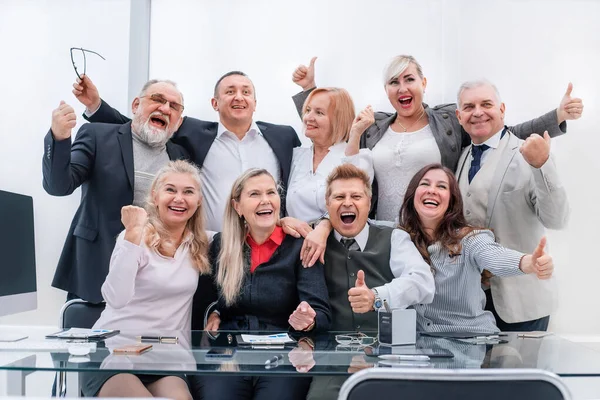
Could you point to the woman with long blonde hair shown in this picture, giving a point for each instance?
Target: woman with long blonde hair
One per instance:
(153, 275)
(262, 284)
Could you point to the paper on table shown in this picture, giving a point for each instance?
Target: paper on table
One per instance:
(80, 333)
(277, 338)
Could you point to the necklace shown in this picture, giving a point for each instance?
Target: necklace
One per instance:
(413, 124)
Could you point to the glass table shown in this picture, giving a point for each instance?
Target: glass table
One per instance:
(311, 356)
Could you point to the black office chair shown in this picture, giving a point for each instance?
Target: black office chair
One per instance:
(446, 384)
(76, 313)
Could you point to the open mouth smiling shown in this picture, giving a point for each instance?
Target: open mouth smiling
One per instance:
(430, 203)
(405, 101)
(348, 217)
(264, 213)
(158, 120)
(178, 210)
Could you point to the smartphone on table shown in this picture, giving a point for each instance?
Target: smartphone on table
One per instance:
(221, 353)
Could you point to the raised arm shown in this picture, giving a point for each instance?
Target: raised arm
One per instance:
(483, 252)
(119, 287)
(66, 166)
(548, 195)
(304, 77)
(97, 110)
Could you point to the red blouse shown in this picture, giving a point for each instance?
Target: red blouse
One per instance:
(260, 253)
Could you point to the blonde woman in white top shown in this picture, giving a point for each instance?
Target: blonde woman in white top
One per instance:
(153, 276)
(330, 123)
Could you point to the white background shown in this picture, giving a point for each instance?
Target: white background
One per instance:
(530, 49)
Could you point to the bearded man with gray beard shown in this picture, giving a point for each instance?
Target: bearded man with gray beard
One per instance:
(114, 165)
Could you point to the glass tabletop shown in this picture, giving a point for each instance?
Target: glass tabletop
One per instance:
(311, 355)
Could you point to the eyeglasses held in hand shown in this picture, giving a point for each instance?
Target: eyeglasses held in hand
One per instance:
(160, 99)
(355, 339)
(83, 51)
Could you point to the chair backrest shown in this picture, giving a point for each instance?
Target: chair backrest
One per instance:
(79, 313)
(488, 384)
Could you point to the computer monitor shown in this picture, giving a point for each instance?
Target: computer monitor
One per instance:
(17, 254)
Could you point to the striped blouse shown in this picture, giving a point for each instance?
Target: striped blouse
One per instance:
(459, 301)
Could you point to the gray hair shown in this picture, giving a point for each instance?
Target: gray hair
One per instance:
(475, 84)
(398, 65)
(155, 81)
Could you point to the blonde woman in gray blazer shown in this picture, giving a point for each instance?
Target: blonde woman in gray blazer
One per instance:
(516, 192)
(416, 134)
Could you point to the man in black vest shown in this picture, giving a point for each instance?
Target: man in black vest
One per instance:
(366, 266)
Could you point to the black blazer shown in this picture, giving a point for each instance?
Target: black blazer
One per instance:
(197, 137)
(100, 160)
(270, 294)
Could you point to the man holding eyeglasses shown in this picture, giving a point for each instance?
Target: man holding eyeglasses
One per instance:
(224, 149)
(115, 166)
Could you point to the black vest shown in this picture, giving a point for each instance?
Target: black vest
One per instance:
(341, 266)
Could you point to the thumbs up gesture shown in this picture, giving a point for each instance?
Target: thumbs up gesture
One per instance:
(536, 149)
(538, 262)
(303, 317)
(570, 107)
(360, 296)
(63, 121)
(304, 76)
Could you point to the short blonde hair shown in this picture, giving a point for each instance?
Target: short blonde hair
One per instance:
(398, 65)
(341, 112)
(346, 172)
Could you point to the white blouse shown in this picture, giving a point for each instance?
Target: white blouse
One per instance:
(397, 157)
(305, 198)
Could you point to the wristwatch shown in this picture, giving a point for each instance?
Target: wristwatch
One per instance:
(377, 304)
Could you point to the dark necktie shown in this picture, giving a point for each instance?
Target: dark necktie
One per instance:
(477, 152)
(350, 244)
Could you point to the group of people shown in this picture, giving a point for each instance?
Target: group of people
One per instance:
(295, 249)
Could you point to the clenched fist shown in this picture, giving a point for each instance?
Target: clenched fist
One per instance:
(63, 121)
(536, 150)
(133, 217)
(363, 120)
(303, 317)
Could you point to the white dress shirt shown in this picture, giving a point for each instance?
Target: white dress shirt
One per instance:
(413, 281)
(493, 143)
(227, 159)
(305, 199)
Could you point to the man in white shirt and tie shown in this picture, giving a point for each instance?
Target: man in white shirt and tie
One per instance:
(512, 187)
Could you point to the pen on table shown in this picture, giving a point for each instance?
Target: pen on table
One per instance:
(387, 306)
(274, 359)
(487, 337)
(404, 357)
(159, 339)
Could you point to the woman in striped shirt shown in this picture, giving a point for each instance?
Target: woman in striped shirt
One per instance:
(432, 213)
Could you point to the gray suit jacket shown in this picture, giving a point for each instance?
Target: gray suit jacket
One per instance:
(522, 202)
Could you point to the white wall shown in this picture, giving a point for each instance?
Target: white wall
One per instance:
(530, 49)
(36, 73)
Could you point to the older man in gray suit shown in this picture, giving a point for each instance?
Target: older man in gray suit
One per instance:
(511, 186)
